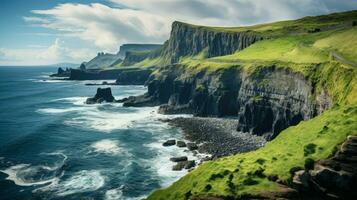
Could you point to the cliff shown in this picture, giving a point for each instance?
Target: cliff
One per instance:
(123, 49)
(281, 80)
(125, 76)
(190, 40)
(265, 102)
(102, 60)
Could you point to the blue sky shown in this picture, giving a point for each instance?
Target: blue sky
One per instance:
(39, 32)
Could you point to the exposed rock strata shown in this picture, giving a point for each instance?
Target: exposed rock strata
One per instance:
(265, 102)
(186, 39)
(131, 76)
(332, 178)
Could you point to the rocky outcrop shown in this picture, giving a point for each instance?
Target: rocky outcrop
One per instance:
(77, 74)
(265, 102)
(332, 178)
(136, 48)
(187, 39)
(102, 60)
(134, 76)
(134, 57)
(103, 94)
(123, 76)
(62, 73)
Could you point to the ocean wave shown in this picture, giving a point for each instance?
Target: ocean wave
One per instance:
(49, 81)
(82, 181)
(78, 101)
(107, 146)
(29, 175)
(162, 164)
(108, 121)
(114, 194)
(58, 110)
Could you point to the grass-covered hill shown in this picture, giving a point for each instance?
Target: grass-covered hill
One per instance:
(323, 50)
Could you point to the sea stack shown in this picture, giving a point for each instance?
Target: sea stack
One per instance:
(103, 94)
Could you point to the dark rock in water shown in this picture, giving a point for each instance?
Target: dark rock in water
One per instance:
(181, 144)
(184, 165)
(192, 146)
(179, 166)
(121, 100)
(62, 73)
(179, 159)
(190, 164)
(103, 94)
(169, 143)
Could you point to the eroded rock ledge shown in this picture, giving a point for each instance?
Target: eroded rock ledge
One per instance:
(265, 102)
(332, 178)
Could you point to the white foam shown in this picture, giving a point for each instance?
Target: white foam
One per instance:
(107, 146)
(114, 194)
(50, 81)
(27, 175)
(82, 181)
(59, 110)
(78, 101)
(108, 121)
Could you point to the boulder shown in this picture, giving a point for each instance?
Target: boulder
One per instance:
(179, 166)
(190, 164)
(169, 143)
(184, 165)
(103, 94)
(181, 144)
(179, 159)
(192, 146)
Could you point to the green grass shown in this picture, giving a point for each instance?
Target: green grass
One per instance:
(297, 147)
(290, 27)
(344, 42)
(252, 173)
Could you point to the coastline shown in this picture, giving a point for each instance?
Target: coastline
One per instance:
(216, 136)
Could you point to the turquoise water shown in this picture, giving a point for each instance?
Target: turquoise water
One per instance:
(53, 146)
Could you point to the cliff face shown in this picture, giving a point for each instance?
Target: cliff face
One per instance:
(102, 60)
(136, 47)
(132, 76)
(186, 39)
(265, 102)
(135, 57)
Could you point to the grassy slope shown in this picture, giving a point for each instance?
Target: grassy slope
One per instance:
(305, 53)
(246, 174)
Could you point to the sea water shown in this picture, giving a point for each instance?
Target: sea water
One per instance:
(54, 146)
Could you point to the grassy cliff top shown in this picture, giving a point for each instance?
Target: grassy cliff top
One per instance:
(324, 50)
(280, 28)
(255, 173)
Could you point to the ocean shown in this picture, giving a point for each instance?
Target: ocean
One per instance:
(53, 146)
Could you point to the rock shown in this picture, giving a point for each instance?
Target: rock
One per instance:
(91, 101)
(122, 100)
(102, 95)
(178, 159)
(301, 179)
(192, 146)
(179, 166)
(190, 164)
(184, 165)
(169, 143)
(332, 178)
(181, 144)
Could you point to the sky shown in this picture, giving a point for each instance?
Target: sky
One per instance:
(42, 32)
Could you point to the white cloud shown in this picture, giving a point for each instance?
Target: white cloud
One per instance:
(52, 54)
(105, 26)
(149, 21)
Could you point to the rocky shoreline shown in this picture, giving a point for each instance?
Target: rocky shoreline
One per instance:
(216, 136)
